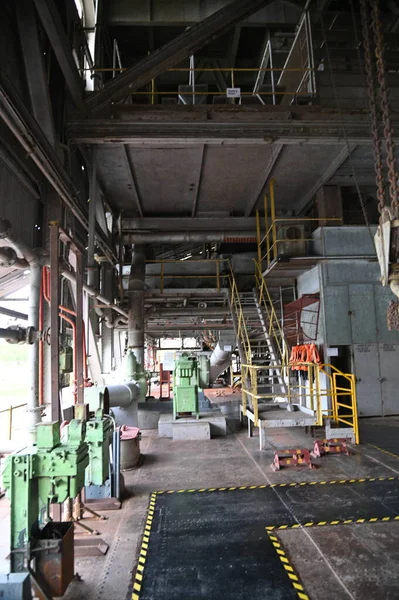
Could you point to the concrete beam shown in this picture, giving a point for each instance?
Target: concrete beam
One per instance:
(172, 53)
(208, 124)
(52, 24)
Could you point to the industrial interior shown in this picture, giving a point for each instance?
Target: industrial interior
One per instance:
(199, 299)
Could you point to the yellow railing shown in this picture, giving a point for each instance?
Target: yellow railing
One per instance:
(217, 263)
(271, 242)
(238, 314)
(7, 421)
(341, 401)
(192, 72)
(275, 329)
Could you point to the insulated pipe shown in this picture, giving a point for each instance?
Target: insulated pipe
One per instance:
(122, 394)
(181, 237)
(33, 407)
(136, 305)
(221, 358)
(9, 258)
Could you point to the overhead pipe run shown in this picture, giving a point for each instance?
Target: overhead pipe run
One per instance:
(182, 237)
(136, 305)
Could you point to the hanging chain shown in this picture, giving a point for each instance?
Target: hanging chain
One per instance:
(372, 96)
(384, 99)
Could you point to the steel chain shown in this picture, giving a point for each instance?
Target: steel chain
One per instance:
(372, 97)
(384, 99)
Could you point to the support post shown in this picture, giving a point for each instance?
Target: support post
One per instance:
(54, 322)
(79, 330)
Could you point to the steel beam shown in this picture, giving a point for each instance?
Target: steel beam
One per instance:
(173, 53)
(52, 24)
(198, 186)
(131, 171)
(26, 130)
(34, 67)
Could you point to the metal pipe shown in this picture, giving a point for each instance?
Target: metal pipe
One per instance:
(136, 307)
(10, 334)
(93, 293)
(221, 356)
(32, 259)
(181, 237)
(122, 394)
(158, 313)
(13, 313)
(9, 258)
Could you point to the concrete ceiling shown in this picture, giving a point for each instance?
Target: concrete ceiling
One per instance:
(176, 180)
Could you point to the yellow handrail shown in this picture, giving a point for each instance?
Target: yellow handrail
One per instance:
(10, 410)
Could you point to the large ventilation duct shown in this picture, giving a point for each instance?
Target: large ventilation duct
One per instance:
(221, 356)
(182, 237)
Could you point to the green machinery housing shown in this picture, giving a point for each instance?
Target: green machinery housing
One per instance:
(191, 373)
(53, 470)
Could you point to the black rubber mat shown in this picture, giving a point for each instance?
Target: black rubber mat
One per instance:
(385, 437)
(213, 544)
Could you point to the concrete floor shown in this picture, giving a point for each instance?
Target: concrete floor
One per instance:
(354, 561)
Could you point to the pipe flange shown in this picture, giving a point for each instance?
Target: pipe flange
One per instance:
(8, 256)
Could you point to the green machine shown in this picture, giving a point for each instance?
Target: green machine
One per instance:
(50, 472)
(191, 373)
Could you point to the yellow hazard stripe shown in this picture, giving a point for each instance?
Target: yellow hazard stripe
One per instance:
(384, 451)
(271, 528)
(138, 578)
(280, 485)
(289, 569)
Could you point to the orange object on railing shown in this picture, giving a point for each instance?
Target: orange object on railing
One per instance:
(300, 355)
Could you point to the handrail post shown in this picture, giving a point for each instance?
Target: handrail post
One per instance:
(265, 207)
(258, 238)
(162, 274)
(273, 217)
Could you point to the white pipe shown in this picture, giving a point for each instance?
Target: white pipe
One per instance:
(221, 358)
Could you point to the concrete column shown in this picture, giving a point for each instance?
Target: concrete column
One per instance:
(136, 304)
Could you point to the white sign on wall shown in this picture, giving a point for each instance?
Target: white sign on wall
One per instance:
(233, 92)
